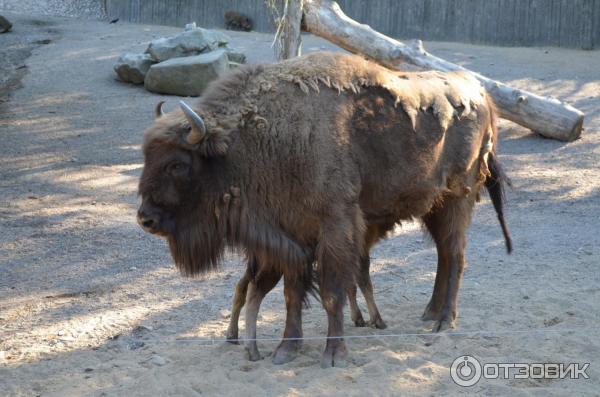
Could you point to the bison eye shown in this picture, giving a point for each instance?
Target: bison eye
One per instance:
(178, 169)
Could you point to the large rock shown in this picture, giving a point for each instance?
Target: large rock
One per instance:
(132, 68)
(235, 56)
(186, 76)
(5, 24)
(188, 43)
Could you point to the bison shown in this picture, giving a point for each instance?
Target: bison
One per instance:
(312, 160)
(236, 21)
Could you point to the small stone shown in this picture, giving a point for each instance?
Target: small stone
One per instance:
(190, 26)
(552, 322)
(61, 332)
(132, 68)
(158, 360)
(136, 345)
(88, 370)
(235, 56)
(5, 25)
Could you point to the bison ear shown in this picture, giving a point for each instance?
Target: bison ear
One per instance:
(158, 110)
(198, 130)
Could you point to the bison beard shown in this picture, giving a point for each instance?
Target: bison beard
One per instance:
(197, 247)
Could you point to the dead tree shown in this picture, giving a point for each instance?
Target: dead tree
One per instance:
(288, 40)
(548, 117)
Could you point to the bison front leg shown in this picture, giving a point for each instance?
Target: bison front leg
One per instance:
(294, 292)
(266, 280)
(239, 300)
(447, 224)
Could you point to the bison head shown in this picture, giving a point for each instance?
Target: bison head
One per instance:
(182, 187)
(246, 24)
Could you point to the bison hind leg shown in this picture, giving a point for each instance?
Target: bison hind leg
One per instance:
(447, 223)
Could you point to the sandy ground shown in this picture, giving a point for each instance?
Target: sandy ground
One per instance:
(90, 305)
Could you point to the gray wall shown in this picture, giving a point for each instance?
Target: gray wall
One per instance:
(566, 23)
(67, 8)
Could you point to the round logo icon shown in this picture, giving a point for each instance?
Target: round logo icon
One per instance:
(465, 371)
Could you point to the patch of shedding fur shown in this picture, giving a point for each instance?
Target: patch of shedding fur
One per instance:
(447, 95)
(450, 95)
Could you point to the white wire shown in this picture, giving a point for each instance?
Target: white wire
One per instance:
(212, 341)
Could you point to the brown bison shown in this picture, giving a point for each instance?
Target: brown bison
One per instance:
(313, 160)
(236, 21)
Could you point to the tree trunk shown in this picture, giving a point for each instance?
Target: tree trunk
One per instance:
(288, 39)
(548, 117)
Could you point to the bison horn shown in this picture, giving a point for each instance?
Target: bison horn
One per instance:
(158, 110)
(198, 127)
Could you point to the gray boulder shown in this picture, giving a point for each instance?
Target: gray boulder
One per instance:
(235, 56)
(132, 68)
(186, 76)
(189, 43)
(5, 25)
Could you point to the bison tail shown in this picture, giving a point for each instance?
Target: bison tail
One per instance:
(494, 184)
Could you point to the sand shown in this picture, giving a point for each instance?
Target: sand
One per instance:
(90, 305)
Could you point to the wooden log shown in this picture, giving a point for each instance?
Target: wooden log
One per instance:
(288, 39)
(548, 117)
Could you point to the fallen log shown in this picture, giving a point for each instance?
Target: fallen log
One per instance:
(548, 117)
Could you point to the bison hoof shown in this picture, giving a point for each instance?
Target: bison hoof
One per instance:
(286, 351)
(335, 355)
(446, 323)
(360, 322)
(253, 353)
(378, 323)
(232, 337)
(430, 314)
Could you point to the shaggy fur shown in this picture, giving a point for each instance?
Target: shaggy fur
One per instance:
(236, 21)
(305, 159)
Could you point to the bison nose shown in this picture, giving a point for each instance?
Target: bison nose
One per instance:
(148, 222)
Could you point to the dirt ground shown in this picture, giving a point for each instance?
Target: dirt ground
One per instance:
(90, 305)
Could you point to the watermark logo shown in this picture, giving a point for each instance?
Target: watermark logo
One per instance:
(466, 371)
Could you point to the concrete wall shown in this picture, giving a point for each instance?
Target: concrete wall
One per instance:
(566, 23)
(69, 8)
